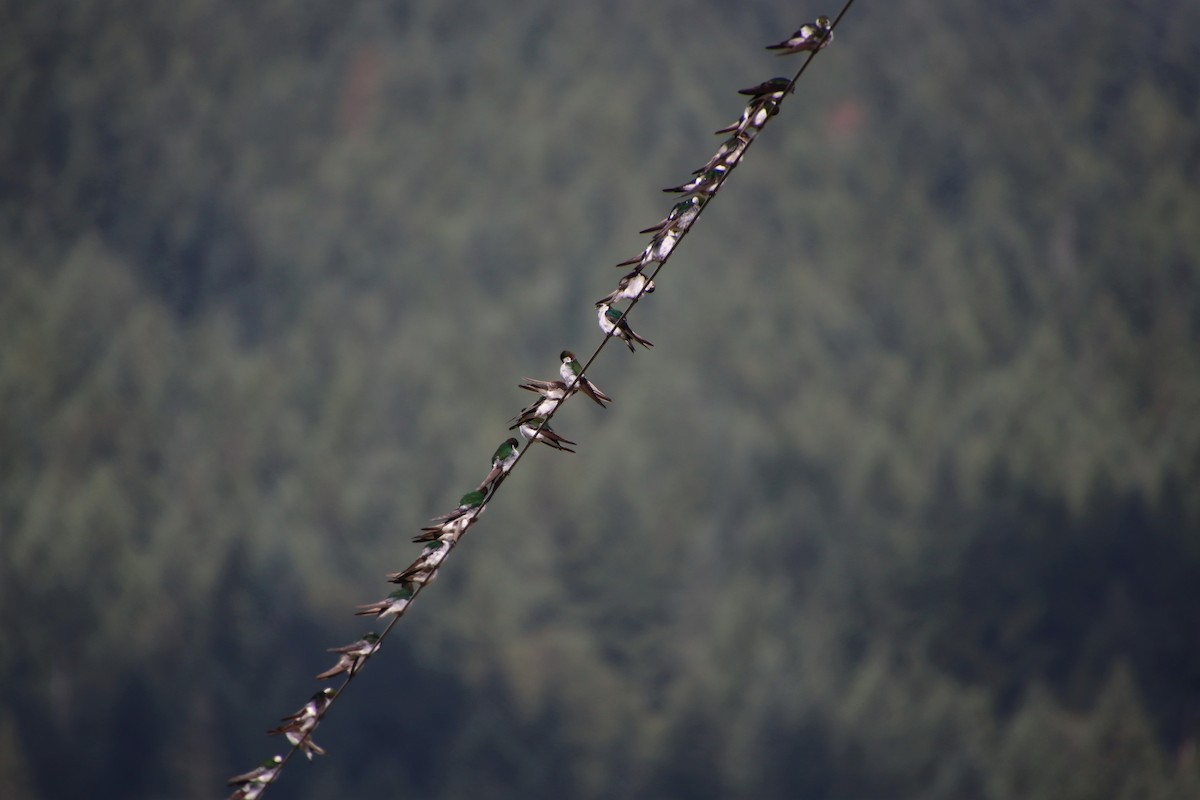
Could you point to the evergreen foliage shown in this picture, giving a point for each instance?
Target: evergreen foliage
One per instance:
(902, 504)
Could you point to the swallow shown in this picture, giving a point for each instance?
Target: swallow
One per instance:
(550, 390)
(298, 726)
(311, 710)
(394, 603)
(452, 524)
(529, 429)
(754, 116)
(502, 461)
(542, 407)
(809, 38)
(351, 657)
(265, 773)
(703, 184)
(415, 574)
(663, 243)
(611, 321)
(451, 529)
(424, 569)
(681, 216)
(727, 155)
(433, 532)
(306, 744)
(629, 287)
(248, 791)
(641, 260)
(572, 374)
(774, 89)
(468, 504)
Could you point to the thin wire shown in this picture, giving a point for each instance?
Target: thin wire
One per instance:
(491, 492)
(637, 298)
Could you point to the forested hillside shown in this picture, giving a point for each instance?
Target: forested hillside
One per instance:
(903, 504)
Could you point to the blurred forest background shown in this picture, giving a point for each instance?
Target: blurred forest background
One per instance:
(904, 503)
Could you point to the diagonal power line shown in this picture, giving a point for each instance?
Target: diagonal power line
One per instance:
(438, 549)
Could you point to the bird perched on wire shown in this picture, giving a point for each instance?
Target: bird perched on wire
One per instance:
(454, 523)
(611, 321)
(549, 390)
(727, 154)
(530, 430)
(629, 287)
(703, 184)
(262, 774)
(754, 116)
(248, 791)
(424, 569)
(450, 529)
(351, 657)
(572, 375)
(468, 504)
(298, 726)
(681, 216)
(772, 89)
(502, 460)
(394, 603)
(658, 250)
(552, 392)
(809, 38)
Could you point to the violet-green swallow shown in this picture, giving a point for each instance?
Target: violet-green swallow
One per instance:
(629, 287)
(658, 250)
(313, 709)
(450, 529)
(416, 573)
(434, 554)
(572, 373)
(307, 746)
(450, 526)
(248, 791)
(612, 322)
(424, 569)
(306, 718)
(502, 460)
(550, 390)
(539, 409)
(681, 215)
(298, 726)
(264, 773)
(529, 429)
(641, 260)
(663, 243)
(394, 603)
(352, 656)
(810, 38)
(753, 116)
(773, 88)
(727, 154)
(470, 502)
(703, 184)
